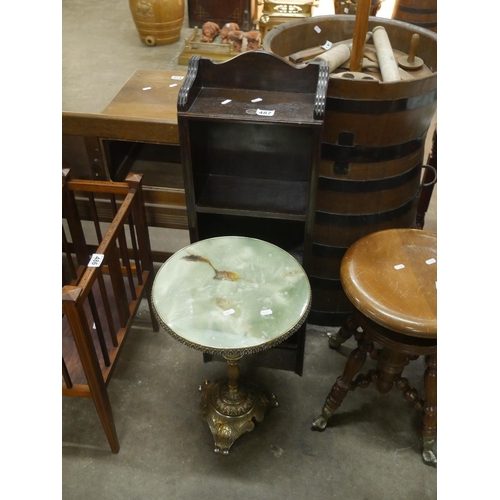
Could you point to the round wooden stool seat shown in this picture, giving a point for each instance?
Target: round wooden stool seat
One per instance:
(390, 277)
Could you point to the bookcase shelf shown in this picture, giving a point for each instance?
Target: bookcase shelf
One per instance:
(267, 198)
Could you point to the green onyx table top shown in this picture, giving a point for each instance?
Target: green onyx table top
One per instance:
(231, 295)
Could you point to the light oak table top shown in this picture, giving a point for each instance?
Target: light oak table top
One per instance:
(144, 110)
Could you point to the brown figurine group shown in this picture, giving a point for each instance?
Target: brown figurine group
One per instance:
(209, 31)
(226, 29)
(253, 40)
(230, 32)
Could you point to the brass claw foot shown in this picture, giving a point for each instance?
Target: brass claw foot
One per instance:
(321, 422)
(335, 340)
(226, 434)
(428, 454)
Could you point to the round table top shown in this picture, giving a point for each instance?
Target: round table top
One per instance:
(391, 277)
(231, 295)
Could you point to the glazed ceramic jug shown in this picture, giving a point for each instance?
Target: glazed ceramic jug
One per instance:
(158, 22)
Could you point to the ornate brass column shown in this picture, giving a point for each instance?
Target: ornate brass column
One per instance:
(230, 406)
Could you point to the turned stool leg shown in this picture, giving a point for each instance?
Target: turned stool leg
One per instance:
(354, 363)
(429, 417)
(389, 368)
(346, 331)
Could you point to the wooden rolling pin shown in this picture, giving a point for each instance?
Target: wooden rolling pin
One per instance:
(304, 55)
(388, 66)
(335, 57)
(338, 55)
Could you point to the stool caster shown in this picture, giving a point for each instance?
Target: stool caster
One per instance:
(322, 421)
(346, 331)
(428, 455)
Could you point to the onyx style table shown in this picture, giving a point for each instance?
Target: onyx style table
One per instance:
(231, 296)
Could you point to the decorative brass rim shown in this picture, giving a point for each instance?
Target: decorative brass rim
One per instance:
(236, 351)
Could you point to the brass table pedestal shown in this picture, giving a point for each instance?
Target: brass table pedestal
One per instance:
(232, 406)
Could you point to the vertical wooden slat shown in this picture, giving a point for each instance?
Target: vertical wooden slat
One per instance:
(74, 223)
(126, 262)
(98, 327)
(122, 242)
(66, 376)
(69, 257)
(95, 217)
(118, 284)
(141, 226)
(107, 308)
(135, 252)
(140, 223)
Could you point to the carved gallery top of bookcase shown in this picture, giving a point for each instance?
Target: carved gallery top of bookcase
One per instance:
(297, 96)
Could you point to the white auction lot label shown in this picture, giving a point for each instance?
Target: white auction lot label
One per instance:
(265, 112)
(96, 260)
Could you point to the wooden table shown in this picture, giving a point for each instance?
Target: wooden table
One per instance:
(231, 296)
(137, 131)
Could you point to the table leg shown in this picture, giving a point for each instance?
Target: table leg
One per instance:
(232, 406)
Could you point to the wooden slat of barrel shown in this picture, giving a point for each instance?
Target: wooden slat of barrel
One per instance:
(422, 13)
(381, 190)
(343, 230)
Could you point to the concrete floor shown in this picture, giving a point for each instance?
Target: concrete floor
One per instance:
(371, 450)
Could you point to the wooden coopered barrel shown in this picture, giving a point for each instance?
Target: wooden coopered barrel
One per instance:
(372, 152)
(422, 13)
(158, 22)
